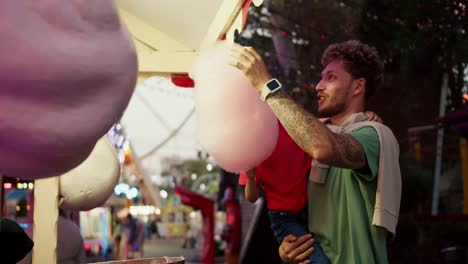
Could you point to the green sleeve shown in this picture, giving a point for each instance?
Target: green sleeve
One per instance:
(369, 140)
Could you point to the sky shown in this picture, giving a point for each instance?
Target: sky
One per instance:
(156, 109)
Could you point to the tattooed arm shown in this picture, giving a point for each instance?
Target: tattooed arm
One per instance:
(307, 131)
(313, 137)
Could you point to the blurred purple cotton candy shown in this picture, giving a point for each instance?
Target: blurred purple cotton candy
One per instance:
(67, 72)
(234, 126)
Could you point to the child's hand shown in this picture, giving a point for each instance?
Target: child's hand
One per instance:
(371, 116)
(252, 173)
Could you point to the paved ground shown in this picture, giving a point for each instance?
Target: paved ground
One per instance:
(172, 247)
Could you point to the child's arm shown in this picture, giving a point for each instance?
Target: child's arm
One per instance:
(251, 189)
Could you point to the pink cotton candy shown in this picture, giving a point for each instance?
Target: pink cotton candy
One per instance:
(235, 126)
(67, 72)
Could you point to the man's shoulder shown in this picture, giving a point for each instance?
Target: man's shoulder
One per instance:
(366, 126)
(365, 129)
(371, 129)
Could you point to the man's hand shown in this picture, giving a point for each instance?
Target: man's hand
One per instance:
(251, 64)
(296, 250)
(371, 116)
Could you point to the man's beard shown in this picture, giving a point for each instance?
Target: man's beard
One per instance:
(337, 103)
(332, 110)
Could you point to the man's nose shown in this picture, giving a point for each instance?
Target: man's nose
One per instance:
(319, 87)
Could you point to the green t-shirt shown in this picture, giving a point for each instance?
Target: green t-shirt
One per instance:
(341, 210)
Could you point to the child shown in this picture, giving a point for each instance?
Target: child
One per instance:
(283, 177)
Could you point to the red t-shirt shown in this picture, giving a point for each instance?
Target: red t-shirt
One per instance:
(284, 175)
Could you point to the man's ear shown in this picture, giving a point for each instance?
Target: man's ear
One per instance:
(359, 86)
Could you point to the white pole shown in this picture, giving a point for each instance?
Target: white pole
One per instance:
(439, 147)
(46, 193)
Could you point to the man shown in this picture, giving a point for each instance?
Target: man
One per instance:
(347, 214)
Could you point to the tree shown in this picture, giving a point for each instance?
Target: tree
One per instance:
(429, 37)
(437, 30)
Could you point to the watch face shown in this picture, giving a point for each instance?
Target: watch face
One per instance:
(273, 84)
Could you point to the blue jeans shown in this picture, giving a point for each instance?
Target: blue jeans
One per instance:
(284, 223)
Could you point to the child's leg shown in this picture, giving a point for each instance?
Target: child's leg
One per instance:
(284, 224)
(277, 220)
(318, 256)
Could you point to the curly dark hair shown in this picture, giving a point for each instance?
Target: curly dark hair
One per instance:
(359, 60)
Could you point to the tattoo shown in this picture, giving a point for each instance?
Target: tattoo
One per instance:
(313, 136)
(306, 130)
(347, 151)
